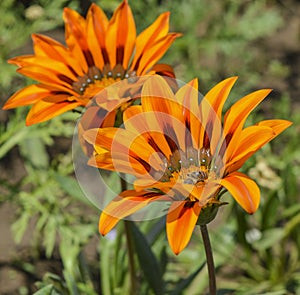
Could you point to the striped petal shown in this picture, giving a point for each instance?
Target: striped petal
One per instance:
(130, 144)
(96, 34)
(75, 35)
(47, 47)
(251, 139)
(181, 220)
(121, 35)
(127, 203)
(150, 35)
(154, 53)
(43, 111)
(243, 189)
(236, 116)
(26, 96)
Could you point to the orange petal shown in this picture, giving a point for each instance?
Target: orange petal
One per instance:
(26, 96)
(217, 96)
(47, 77)
(75, 31)
(251, 139)
(210, 115)
(43, 111)
(150, 35)
(127, 203)
(119, 162)
(188, 96)
(118, 140)
(45, 46)
(121, 35)
(246, 144)
(157, 96)
(96, 32)
(165, 71)
(181, 220)
(163, 113)
(154, 53)
(236, 116)
(243, 189)
(55, 66)
(99, 23)
(277, 125)
(144, 123)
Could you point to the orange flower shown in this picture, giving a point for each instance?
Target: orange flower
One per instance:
(99, 52)
(182, 151)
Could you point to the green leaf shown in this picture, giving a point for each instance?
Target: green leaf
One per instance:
(71, 187)
(184, 283)
(147, 260)
(47, 290)
(33, 149)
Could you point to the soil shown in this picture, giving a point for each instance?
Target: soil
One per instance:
(13, 257)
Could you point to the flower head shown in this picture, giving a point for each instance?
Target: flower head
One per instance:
(181, 150)
(99, 52)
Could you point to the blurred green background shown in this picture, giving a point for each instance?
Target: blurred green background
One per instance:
(49, 239)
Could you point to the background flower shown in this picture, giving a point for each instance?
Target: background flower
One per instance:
(99, 52)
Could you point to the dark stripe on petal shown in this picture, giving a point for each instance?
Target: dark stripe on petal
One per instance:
(105, 56)
(64, 78)
(154, 145)
(143, 162)
(89, 58)
(225, 144)
(72, 70)
(137, 64)
(171, 138)
(120, 54)
(207, 135)
(188, 135)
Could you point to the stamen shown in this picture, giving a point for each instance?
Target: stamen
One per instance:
(190, 169)
(94, 74)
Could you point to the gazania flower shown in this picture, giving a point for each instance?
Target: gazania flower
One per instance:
(99, 52)
(184, 152)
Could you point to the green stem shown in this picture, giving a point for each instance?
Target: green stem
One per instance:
(130, 246)
(209, 260)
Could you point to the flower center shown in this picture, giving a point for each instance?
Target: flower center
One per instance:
(95, 79)
(192, 167)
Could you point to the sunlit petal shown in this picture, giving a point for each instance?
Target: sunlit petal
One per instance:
(181, 220)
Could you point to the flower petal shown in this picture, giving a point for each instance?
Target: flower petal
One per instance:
(154, 53)
(243, 189)
(157, 30)
(181, 220)
(121, 35)
(217, 96)
(143, 123)
(96, 33)
(43, 110)
(48, 77)
(246, 144)
(75, 35)
(277, 126)
(251, 139)
(47, 47)
(127, 203)
(119, 162)
(236, 116)
(130, 144)
(26, 96)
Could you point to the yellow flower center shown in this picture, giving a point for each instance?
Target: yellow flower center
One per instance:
(192, 167)
(95, 79)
